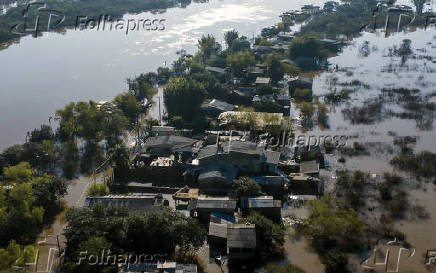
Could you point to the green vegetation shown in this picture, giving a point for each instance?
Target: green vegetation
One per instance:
(247, 187)
(307, 109)
(308, 46)
(301, 95)
(270, 237)
(240, 61)
(121, 232)
(96, 189)
(28, 202)
(268, 106)
(333, 232)
(183, 97)
(351, 187)
(16, 255)
(420, 164)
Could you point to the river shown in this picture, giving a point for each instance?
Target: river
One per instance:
(40, 75)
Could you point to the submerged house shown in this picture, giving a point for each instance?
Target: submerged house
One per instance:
(247, 157)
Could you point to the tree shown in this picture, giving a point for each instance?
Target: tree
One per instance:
(96, 189)
(120, 161)
(115, 125)
(246, 186)
(129, 106)
(178, 122)
(274, 67)
(230, 36)
(268, 106)
(18, 174)
(240, 44)
(306, 45)
(240, 61)
(329, 227)
(70, 159)
(307, 109)
(141, 88)
(44, 133)
(49, 191)
(208, 46)
(183, 97)
(301, 95)
(269, 236)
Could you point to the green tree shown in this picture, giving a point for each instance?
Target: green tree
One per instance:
(301, 95)
(270, 237)
(208, 46)
(183, 98)
(306, 45)
(307, 109)
(120, 161)
(274, 67)
(18, 174)
(129, 105)
(246, 186)
(230, 36)
(240, 61)
(44, 133)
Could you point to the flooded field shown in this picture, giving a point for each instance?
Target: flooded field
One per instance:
(390, 84)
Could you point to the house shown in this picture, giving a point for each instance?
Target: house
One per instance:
(301, 184)
(217, 234)
(241, 241)
(262, 81)
(247, 157)
(216, 107)
(245, 91)
(285, 36)
(203, 206)
(217, 177)
(310, 168)
(167, 145)
(272, 184)
(265, 205)
(134, 202)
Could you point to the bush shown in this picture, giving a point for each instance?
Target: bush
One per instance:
(301, 95)
(97, 189)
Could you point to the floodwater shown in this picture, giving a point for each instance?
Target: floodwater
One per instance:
(369, 118)
(40, 75)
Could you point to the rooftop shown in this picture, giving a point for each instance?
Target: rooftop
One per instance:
(241, 236)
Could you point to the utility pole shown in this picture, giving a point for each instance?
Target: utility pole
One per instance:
(160, 117)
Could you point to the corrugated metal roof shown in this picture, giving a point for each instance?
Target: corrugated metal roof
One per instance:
(241, 236)
(218, 229)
